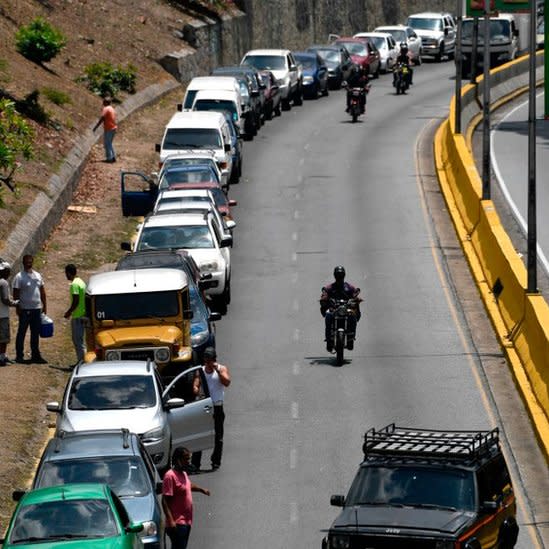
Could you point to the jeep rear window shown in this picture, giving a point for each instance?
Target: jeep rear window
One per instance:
(136, 305)
(414, 487)
(266, 62)
(192, 138)
(112, 393)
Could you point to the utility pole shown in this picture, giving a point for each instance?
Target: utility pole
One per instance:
(486, 195)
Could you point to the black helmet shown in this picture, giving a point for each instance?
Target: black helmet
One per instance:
(339, 272)
(404, 47)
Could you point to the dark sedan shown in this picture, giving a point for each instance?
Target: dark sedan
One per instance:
(339, 63)
(315, 74)
(363, 52)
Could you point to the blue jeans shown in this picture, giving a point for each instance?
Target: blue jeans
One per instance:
(78, 328)
(107, 142)
(28, 318)
(179, 536)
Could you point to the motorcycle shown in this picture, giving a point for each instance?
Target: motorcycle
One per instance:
(355, 103)
(401, 79)
(342, 332)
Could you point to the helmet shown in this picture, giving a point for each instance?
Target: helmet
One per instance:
(339, 272)
(403, 47)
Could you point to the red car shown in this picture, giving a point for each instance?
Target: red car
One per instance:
(271, 93)
(363, 53)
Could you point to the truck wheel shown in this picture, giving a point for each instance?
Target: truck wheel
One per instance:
(298, 97)
(440, 54)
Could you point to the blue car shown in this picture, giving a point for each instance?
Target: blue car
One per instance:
(315, 74)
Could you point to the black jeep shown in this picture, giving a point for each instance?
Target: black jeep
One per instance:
(419, 488)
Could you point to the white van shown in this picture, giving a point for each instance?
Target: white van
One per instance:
(191, 130)
(228, 83)
(220, 100)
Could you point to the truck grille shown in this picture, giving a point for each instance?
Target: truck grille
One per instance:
(137, 354)
(374, 542)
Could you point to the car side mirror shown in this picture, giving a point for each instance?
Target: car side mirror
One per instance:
(489, 506)
(231, 224)
(134, 528)
(158, 487)
(53, 407)
(157, 147)
(179, 107)
(233, 203)
(214, 316)
(126, 246)
(173, 403)
(227, 147)
(16, 495)
(205, 284)
(187, 314)
(516, 33)
(337, 501)
(293, 68)
(226, 242)
(446, 30)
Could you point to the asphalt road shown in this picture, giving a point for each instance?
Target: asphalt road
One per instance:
(319, 191)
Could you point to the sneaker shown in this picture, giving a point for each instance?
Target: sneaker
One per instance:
(3, 362)
(21, 360)
(8, 361)
(329, 347)
(350, 343)
(38, 360)
(216, 466)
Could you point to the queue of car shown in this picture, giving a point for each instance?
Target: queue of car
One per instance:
(134, 399)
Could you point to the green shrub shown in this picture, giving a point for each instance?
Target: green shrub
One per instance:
(55, 96)
(108, 80)
(39, 41)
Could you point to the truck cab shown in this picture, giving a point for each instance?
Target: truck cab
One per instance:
(138, 315)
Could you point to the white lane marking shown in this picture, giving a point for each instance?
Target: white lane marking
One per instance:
(296, 214)
(295, 276)
(298, 195)
(295, 410)
(307, 146)
(295, 305)
(294, 257)
(503, 186)
(300, 178)
(297, 334)
(293, 458)
(301, 161)
(294, 237)
(293, 512)
(296, 369)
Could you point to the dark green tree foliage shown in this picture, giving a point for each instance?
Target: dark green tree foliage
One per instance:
(105, 79)
(39, 41)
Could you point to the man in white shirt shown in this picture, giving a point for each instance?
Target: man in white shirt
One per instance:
(28, 288)
(5, 303)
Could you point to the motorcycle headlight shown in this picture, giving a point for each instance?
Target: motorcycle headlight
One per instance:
(199, 337)
(209, 266)
(112, 355)
(154, 435)
(162, 355)
(341, 542)
(149, 529)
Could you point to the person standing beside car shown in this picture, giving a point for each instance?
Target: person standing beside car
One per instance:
(177, 499)
(77, 311)
(28, 289)
(5, 303)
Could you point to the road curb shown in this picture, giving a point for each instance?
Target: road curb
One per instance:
(48, 207)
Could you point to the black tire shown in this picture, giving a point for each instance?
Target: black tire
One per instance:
(354, 114)
(269, 114)
(376, 74)
(340, 347)
(298, 97)
(286, 105)
(440, 54)
(326, 91)
(277, 110)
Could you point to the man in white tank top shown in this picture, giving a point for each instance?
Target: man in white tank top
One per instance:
(217, 378)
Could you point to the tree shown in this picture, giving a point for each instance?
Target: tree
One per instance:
(16, 138)
(39, 41)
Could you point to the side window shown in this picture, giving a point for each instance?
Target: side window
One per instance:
(493, 480)
(190, 386)
(147, 461)
(290, 61)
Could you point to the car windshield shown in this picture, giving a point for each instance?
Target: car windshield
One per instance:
(186, 174)
(136, 305)
(192, 138)
(355, 48)
(218, 105)
(398, 35)
(112, 393)
(176, 202)
(307, 62)
(329, 55)
(63, 520)
(499, 29)
(220, 197)
(379, 42)
(266, 62)
(413, 486)
(425, 23)
(200, 311)
(188, 236)
(125, 475)
(173, 162)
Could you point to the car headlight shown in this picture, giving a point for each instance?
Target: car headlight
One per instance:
(162, 355)
(154, 435)
(209, 266)
(444, 545)
(112, 355)
(341, 542)
(149, 529)
(199, 337)
(308, 79)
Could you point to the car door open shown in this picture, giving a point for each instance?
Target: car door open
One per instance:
(138, 192)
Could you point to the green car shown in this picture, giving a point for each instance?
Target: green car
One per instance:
(72, 516)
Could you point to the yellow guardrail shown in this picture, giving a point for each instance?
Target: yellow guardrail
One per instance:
(521, 320)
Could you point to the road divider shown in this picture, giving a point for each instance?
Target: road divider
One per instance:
(521, 320)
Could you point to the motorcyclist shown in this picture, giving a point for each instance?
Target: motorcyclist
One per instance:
(404, 58)
(358, 79)
(339, 289)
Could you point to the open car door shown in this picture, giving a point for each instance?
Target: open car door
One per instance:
(139, 193)
(192, 425)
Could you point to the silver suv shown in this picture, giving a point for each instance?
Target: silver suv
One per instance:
(437, 31)
(131, 395)
(287, 71)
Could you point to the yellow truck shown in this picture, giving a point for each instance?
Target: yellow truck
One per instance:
(138, 315)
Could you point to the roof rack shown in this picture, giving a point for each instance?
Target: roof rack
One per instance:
(408, 442)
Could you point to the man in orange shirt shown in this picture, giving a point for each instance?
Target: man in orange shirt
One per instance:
(108, 118)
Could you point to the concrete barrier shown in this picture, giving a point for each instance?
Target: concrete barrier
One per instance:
(521, 320)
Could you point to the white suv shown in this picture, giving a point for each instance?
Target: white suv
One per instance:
(437, 31)
(287, 71)
(201, 237)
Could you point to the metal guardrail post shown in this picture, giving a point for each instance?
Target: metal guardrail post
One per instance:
(486, 195)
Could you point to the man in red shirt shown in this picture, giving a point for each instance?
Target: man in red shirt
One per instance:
(177, 499)
(108, 119)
